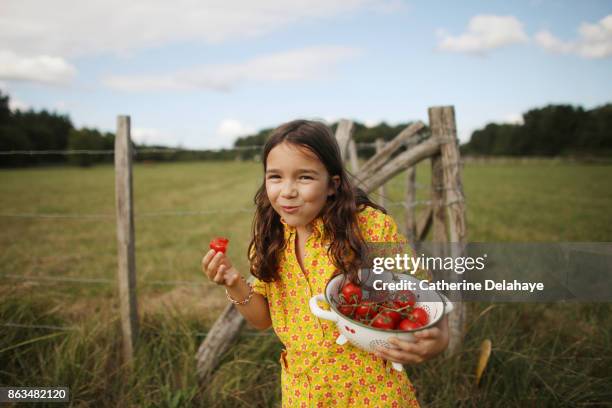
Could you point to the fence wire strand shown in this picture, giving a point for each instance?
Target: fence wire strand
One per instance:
(107, 281)
(76, 328)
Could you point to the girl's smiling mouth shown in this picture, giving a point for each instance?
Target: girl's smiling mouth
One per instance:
(290, 210)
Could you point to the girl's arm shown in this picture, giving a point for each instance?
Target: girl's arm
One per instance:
(219, 269)
(256, 311)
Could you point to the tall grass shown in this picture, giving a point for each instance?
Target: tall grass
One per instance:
(543, 354)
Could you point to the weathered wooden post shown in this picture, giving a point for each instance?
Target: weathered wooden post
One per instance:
(353, 156)
(125, 239)
(380, 144)
(409, 202)
(344, 133)
(449, 208)
(218, 341)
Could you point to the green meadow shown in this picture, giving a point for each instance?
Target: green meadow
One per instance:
(58, 267)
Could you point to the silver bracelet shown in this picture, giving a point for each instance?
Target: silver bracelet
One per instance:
(245, 300)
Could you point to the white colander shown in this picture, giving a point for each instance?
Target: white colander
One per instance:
(369, 338)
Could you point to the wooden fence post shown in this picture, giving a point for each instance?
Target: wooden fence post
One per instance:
(344, 133)
(354, 159)
(371, 179)
(443, 128)
(409, 200)
(380, 159)
(125, 239)
(380, 145)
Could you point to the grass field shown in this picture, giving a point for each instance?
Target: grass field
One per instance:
(543, 355)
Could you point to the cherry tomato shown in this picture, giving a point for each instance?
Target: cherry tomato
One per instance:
(392, 314)
(219, 244)
(383, 322)
(351, 293)
(419, 315)
(404, 298)
(408, 324)
(365, 310)
(346, 310)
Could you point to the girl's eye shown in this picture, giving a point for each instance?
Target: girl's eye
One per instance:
(273, 176)
(306, 178)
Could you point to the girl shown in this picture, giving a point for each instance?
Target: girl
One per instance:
(310, 224)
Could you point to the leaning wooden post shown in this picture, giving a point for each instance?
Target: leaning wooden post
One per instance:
(380, 144)
(443, 127)
(125, 239)
(219, 339)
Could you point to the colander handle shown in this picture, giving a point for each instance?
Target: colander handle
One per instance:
(448, 305)
(317, 311)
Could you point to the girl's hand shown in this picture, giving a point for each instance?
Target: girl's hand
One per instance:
(219, 269)
(430, 342)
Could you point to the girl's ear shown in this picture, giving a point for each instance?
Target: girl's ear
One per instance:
(334, 185)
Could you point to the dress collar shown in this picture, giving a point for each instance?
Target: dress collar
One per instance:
(318, 227)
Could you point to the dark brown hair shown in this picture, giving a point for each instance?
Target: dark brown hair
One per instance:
(347, 246)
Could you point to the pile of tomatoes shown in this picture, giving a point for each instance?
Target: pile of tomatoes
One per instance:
(397, 312)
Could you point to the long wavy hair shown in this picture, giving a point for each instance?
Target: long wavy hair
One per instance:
(347, 248)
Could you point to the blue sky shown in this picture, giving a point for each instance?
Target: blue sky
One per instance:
(200, 74)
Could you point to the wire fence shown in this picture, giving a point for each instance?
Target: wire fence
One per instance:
(77, 328)
(70, 279)
(69, 152)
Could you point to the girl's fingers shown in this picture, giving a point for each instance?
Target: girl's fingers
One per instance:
(213, 266)
(403, 345)
(399, 356)
(206, 259)
(432, 333)
(219, 278)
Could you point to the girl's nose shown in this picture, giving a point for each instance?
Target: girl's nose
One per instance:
(288, 190)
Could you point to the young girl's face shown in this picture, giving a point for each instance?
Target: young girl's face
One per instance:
(297, 183)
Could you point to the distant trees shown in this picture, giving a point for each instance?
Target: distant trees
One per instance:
(90, 139)
(549, 131)
(555, 130)
(363, 134)
(31, 131)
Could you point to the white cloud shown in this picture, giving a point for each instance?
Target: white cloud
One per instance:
(484, 33)
(595, 40)
(513, 118)
(42, 68)
(152, 136)
(229, 130)
(304, 64)
(69, 28)
(15, 104)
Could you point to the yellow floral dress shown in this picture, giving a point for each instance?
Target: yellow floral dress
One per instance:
(317, 372)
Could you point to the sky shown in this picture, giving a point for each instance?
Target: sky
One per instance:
(201, 73)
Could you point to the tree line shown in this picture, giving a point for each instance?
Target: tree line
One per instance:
(554, 130)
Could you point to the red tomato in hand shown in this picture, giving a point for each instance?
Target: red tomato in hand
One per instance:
(419, 315)
(407, 325)
(351, 293)
(219, 244)
(404, 298)
(383, 322)
(365, 311)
